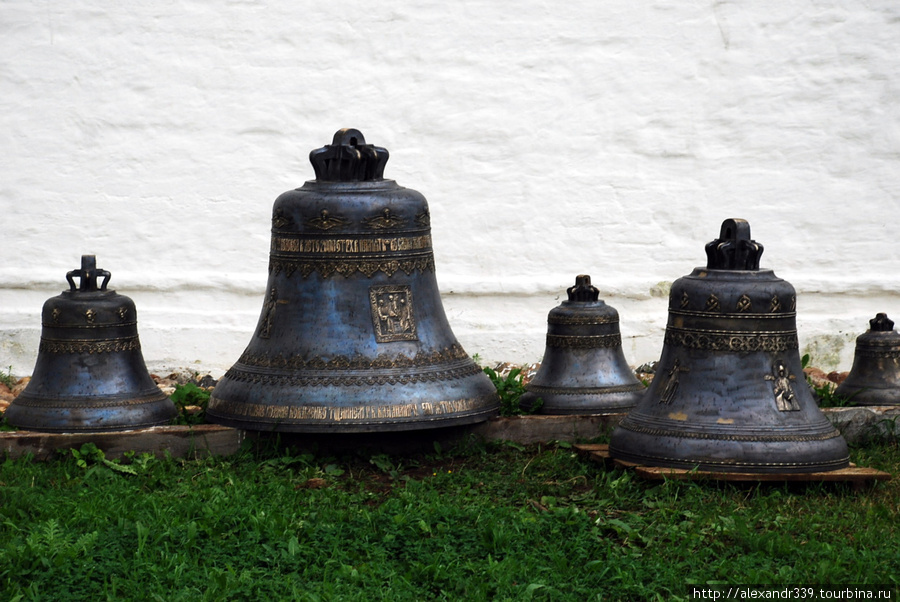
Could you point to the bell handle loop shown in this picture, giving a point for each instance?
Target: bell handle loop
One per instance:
(106, 276)
(69, 277)
(349, 159)
(87, 275)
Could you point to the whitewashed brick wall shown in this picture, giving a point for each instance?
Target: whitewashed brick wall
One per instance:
(551, 139)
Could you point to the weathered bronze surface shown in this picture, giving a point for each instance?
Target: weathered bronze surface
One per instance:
(874, 378)
(584, 370)
(729, 392)
(90, 374)
(352, 336)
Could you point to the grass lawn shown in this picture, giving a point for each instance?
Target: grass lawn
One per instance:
(478, 522)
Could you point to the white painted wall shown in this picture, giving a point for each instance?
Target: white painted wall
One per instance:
(551, 139)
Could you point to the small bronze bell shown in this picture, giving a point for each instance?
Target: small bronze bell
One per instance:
(584, 370)
(90, 374)
(874, 379)
(352, 336)
(729, 393)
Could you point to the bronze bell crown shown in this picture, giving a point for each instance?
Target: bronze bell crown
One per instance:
(90, 374)
(729, 392)
(874, 378)
(352, 336)
(583, 370)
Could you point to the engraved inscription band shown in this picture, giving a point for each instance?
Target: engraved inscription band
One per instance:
(350, 246)
(329, 414)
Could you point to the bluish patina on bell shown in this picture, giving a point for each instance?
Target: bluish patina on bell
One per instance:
(90, 373)
(352, 336)
(874, 378)
(583, 370)
(729, 392)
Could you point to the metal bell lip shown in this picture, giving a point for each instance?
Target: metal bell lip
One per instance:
(729, 393)
(583, 370)
(874, 378)
(352, 336)
(90, 373)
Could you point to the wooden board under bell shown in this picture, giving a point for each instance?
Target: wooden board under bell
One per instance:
(857, 476)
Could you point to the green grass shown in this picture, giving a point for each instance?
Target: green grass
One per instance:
(480, 522)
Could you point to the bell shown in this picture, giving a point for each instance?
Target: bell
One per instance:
(729, 393)
(584, 370)
(352, 336)
(90, 374)
(874, 379)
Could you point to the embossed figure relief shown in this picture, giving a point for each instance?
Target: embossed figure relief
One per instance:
(785, 400)
(685, 300)
(265, 329)
(671, 386)
(54, 315)
(744, 304)
(712, 303)
(326, 221)
(385, 221)
(392, 313)
(280, 221)
(90, 315)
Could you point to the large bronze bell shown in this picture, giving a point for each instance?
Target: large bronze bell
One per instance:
(90, 374)
(584, 370)
(874, 378)
(729, 392)
(352, 336)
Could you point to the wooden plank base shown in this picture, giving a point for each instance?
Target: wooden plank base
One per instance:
(176, 441)
(853, 474)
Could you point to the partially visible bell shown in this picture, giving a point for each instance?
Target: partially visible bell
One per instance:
(90, 374)
(874, 379)
(729, 392)
(352, 336)
(584, 370)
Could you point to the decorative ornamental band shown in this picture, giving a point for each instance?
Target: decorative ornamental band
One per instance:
(89, 347)
(584, 390)
(891, 353)
(89, 403)
(331, 414)
(680, 433)
(453, 354)
(731, 464)
(601, 341)
(737, 342)
(350, 380)
(350, 246)
(583, 320)
(347, 268)
(737, 316)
